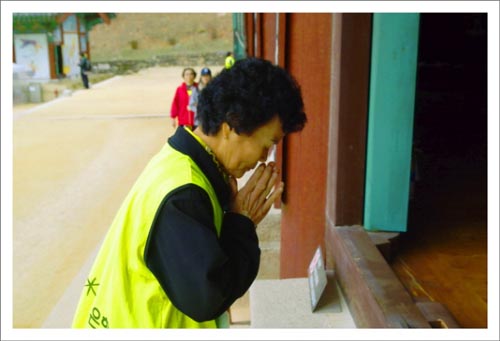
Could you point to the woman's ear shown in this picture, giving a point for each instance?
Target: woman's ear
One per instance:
(226, 130)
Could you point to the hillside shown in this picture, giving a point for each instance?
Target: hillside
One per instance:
(143, 36)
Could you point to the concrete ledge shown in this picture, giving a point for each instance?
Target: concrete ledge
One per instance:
(285, 303)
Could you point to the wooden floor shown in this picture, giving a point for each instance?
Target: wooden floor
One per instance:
(443, 256)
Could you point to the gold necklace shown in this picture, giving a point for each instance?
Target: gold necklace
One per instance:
(222, 170)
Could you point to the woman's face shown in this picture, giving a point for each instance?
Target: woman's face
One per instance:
(241, 153)
(205, 79)
(188, 77)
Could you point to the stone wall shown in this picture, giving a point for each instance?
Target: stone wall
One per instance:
(131, 66)
(28, 91)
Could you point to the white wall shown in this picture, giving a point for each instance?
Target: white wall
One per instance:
(32, 51)
(70, 54)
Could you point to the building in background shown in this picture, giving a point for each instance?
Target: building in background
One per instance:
(386, 95)
(49, 44)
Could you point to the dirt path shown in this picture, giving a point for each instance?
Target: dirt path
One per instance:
(74, 161)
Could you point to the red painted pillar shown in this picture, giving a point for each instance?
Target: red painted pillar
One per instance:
(308, 59)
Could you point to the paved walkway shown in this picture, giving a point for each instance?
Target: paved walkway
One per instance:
(74, 160)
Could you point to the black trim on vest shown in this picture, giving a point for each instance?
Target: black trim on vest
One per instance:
(183, 142)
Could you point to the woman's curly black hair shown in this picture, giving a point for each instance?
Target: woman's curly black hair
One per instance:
(250, 94)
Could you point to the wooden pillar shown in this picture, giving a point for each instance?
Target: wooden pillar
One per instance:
(351, 39)
(281, 39)
(249, 32)
(268, 32)
(78, 33)
(279, 59)
(258, 35)
(269, 36)
(307, 58)
(52, 60)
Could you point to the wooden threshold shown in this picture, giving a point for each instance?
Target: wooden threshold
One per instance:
(374, 294)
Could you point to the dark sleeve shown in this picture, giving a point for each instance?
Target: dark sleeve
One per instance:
(201, 274)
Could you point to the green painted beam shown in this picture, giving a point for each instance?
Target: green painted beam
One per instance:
(34, 22)
(239, 37)
(47, 22)
(390, 120)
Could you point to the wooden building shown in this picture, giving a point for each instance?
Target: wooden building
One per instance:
(49, 44)
(379, 91)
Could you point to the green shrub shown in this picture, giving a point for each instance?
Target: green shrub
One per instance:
(134, 44)
(172, 41)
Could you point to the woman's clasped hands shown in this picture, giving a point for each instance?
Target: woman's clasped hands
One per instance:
(255, 198)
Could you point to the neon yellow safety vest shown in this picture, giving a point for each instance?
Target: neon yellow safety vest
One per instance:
(121, 292)
(229, 62)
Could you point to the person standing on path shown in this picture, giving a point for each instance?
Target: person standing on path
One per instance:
(183, 246)
(179, 112)
(205, 78)
(84, 65)
(229, 62)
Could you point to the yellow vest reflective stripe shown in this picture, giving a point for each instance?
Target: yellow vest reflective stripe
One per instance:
(120, 291)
